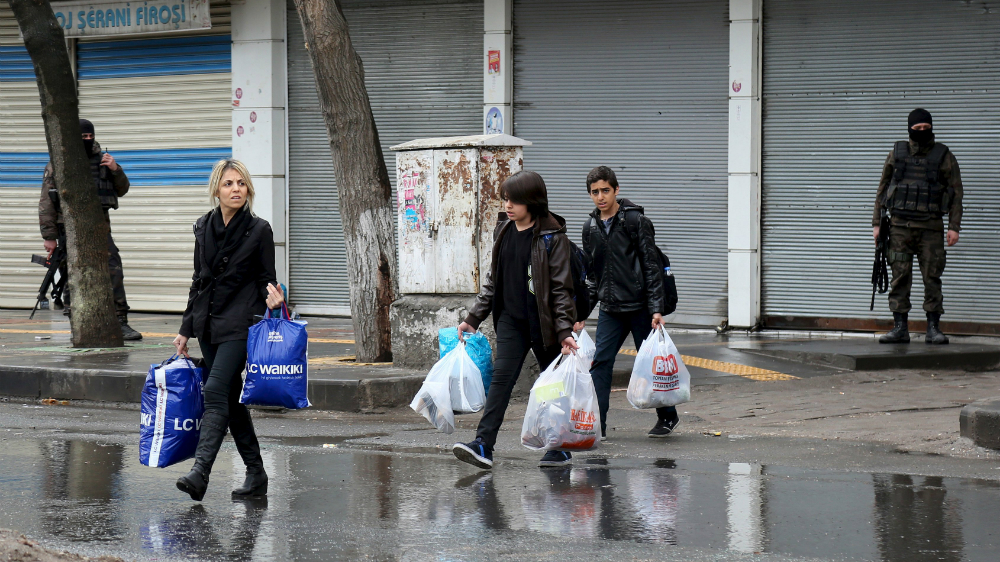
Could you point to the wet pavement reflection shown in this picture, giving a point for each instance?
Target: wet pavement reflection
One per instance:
(93, 497)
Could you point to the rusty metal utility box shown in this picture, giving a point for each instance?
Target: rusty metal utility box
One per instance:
(448, 199)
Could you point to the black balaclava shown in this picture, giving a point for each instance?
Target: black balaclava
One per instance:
(920, 115)
(87, 127)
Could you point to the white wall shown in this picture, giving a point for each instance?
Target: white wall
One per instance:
(259, 93)
(498, 87)
(744, 162)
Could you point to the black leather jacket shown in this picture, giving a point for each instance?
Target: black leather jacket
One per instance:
(235, 293)
(624, 278)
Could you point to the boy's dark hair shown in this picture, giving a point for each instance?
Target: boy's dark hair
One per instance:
(527, 188)
(602, 173)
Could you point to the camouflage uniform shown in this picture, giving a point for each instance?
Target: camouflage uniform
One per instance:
(50, 222)
(923, 236)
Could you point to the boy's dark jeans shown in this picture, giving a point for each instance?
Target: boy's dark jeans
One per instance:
(612, 330)
(513, 343)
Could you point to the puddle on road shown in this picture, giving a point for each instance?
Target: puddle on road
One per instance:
(92, 496)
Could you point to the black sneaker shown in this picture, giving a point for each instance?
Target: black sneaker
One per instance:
(475, 453)
(128, 334)
(555, 458)
(663, 428)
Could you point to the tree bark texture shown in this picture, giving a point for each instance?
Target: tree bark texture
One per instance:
(366, 207)
(94, 322)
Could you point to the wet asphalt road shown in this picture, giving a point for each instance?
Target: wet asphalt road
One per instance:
(84, 490)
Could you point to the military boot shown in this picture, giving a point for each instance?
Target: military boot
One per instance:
(900, 332)
(128, 333)
(934, 335)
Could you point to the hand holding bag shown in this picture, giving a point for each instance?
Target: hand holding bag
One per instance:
(277, 371)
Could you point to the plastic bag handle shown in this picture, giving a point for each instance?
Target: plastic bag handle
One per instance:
(284, 311)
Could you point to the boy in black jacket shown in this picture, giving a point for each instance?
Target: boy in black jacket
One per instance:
(624, 274)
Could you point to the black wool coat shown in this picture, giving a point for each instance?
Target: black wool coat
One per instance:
(236, 291)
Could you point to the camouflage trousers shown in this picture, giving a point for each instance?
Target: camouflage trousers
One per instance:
(928, 246)
(117, 278)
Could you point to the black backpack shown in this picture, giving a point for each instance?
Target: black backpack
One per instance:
(578, 267)
(669, 283)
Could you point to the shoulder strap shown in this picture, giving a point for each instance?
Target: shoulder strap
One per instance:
(632, 225)
(936, 156)
(901, 151)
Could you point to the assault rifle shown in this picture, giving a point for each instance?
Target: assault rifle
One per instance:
(52, 264)
(880, 269)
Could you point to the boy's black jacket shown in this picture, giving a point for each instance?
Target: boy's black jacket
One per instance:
(624, 278)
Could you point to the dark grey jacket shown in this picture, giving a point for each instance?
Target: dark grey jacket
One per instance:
(234, 293)
(625, 278)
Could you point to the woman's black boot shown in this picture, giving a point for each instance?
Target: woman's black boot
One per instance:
(213, 431)
(254, 486)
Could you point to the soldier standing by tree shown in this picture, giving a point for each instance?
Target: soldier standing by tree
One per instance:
(920, 183)
(111, 183)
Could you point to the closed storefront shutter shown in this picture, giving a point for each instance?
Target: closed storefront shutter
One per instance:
(161, 106)
(423, 72)
(639, 86)
(839, 79)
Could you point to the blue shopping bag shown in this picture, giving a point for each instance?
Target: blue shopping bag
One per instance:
(277, 372)
(170, 417)
(477, 346)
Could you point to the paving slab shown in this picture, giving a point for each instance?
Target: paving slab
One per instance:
(868, 355)
(980, 421)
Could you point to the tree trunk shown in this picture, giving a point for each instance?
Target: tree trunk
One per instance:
(94, 322)
(362, 180)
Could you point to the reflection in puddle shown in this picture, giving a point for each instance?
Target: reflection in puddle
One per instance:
(337, 504)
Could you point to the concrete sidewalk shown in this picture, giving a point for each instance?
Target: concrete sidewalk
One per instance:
(36, 360)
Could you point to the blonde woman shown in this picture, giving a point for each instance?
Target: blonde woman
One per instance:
(233, 280)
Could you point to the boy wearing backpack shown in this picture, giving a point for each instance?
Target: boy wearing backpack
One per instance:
(529, 291)
(630, 277)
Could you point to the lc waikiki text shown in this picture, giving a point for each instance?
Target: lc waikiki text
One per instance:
(144, 15)
(179, 424)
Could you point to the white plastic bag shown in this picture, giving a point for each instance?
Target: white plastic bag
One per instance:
(453, 384)
(562, 409)
(659, 377)
(588, 349)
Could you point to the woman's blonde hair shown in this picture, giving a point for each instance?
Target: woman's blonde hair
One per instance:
(215, 181)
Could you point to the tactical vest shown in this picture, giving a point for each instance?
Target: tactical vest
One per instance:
(105, 187)
(915, 191)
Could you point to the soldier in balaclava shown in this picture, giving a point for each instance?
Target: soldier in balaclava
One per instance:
(111, 183)
(920, 184)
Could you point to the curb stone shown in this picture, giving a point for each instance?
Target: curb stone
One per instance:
(980, 421)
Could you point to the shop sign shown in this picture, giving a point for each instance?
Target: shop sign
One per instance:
(114, 17)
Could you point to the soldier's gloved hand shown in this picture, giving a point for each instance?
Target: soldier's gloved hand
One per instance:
(50, 246)
(952, 237)
(875, 231)
(109, 161)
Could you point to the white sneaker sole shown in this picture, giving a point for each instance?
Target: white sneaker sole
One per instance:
(466, 454)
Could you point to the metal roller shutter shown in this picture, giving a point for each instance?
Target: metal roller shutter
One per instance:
(23, 154)
(839, 79)
(162, 107)
(424, 79)
(639, 86)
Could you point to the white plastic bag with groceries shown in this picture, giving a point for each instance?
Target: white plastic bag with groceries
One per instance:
(562, 408)
(659, 377)
(588, 349)
(454, 385)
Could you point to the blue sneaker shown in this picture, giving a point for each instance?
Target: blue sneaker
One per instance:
(555, 458)
(475, 453)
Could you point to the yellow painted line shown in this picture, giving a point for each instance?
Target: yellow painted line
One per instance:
(745, 371)
(327, 340)
(9, 331)
(345, 361)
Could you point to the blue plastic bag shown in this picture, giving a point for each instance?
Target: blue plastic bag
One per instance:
(476, 345)
(277, 372)
(170, 418)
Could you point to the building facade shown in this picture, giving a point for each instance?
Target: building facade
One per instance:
(752, 131)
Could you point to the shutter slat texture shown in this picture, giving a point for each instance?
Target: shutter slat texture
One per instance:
(639, 86)
(839, 79)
